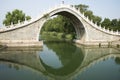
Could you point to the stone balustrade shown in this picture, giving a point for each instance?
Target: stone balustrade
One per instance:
(66, 6)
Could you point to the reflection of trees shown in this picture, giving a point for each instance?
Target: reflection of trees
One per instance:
(117, 60)
(70, 56)
(15, 66)
(10, 66)
(63, 51)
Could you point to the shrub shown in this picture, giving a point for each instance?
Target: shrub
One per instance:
(61, 35)
(45, 33)
(53, 34)
(69, 36)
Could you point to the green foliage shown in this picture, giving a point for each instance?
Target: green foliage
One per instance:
(54, 33)
(14, 17)
(89, 13)
(69, 36)
(106, 22)
(82, 7)
(28, 17)
(58, 24)
(45, 33)
(61, 26)
(113, 24)
(68, 55)
(46, 15)
(117, 60)
(54, 36)
(58, 27)
(97, 19)
(61, 35)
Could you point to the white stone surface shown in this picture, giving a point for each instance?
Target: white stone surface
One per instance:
(88, 33)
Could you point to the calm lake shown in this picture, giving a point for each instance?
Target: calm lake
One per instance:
(60, 61)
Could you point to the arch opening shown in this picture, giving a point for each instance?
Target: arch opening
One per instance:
(79, 28)
(77, 24)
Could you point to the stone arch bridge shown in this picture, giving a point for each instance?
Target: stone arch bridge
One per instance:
(88, 33)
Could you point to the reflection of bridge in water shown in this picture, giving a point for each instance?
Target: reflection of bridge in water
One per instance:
(30, 58)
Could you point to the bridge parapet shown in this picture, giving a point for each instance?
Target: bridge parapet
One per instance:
(86, 30)
(64, 6)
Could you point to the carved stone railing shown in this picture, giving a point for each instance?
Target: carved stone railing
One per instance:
(59, 7)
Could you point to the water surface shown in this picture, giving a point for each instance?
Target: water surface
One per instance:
(60, 61)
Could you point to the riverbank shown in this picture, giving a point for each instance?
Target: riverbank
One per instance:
(112, 44)
(55, 36)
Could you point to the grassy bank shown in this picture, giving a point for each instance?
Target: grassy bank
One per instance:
(52, 36)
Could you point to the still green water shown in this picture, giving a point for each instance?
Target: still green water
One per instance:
(60, 61)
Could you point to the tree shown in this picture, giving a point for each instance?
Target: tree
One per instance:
(118, 25)
(111, 24)
(114, 22)
(106, 22)
(28, 17)
(59, 24)
(97, 19)
(82, 7)
(115, 25)
(119, 22)
(89, 14)
(8, 19)
(14, 17)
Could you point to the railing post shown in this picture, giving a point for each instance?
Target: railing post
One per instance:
(117, 32)
(11, 24)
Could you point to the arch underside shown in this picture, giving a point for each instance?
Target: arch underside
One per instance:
(79, 28)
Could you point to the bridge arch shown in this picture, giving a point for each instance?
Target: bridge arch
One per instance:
(73, 16)
(88, 33)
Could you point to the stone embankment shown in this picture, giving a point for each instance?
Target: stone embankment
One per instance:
(21, 44)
